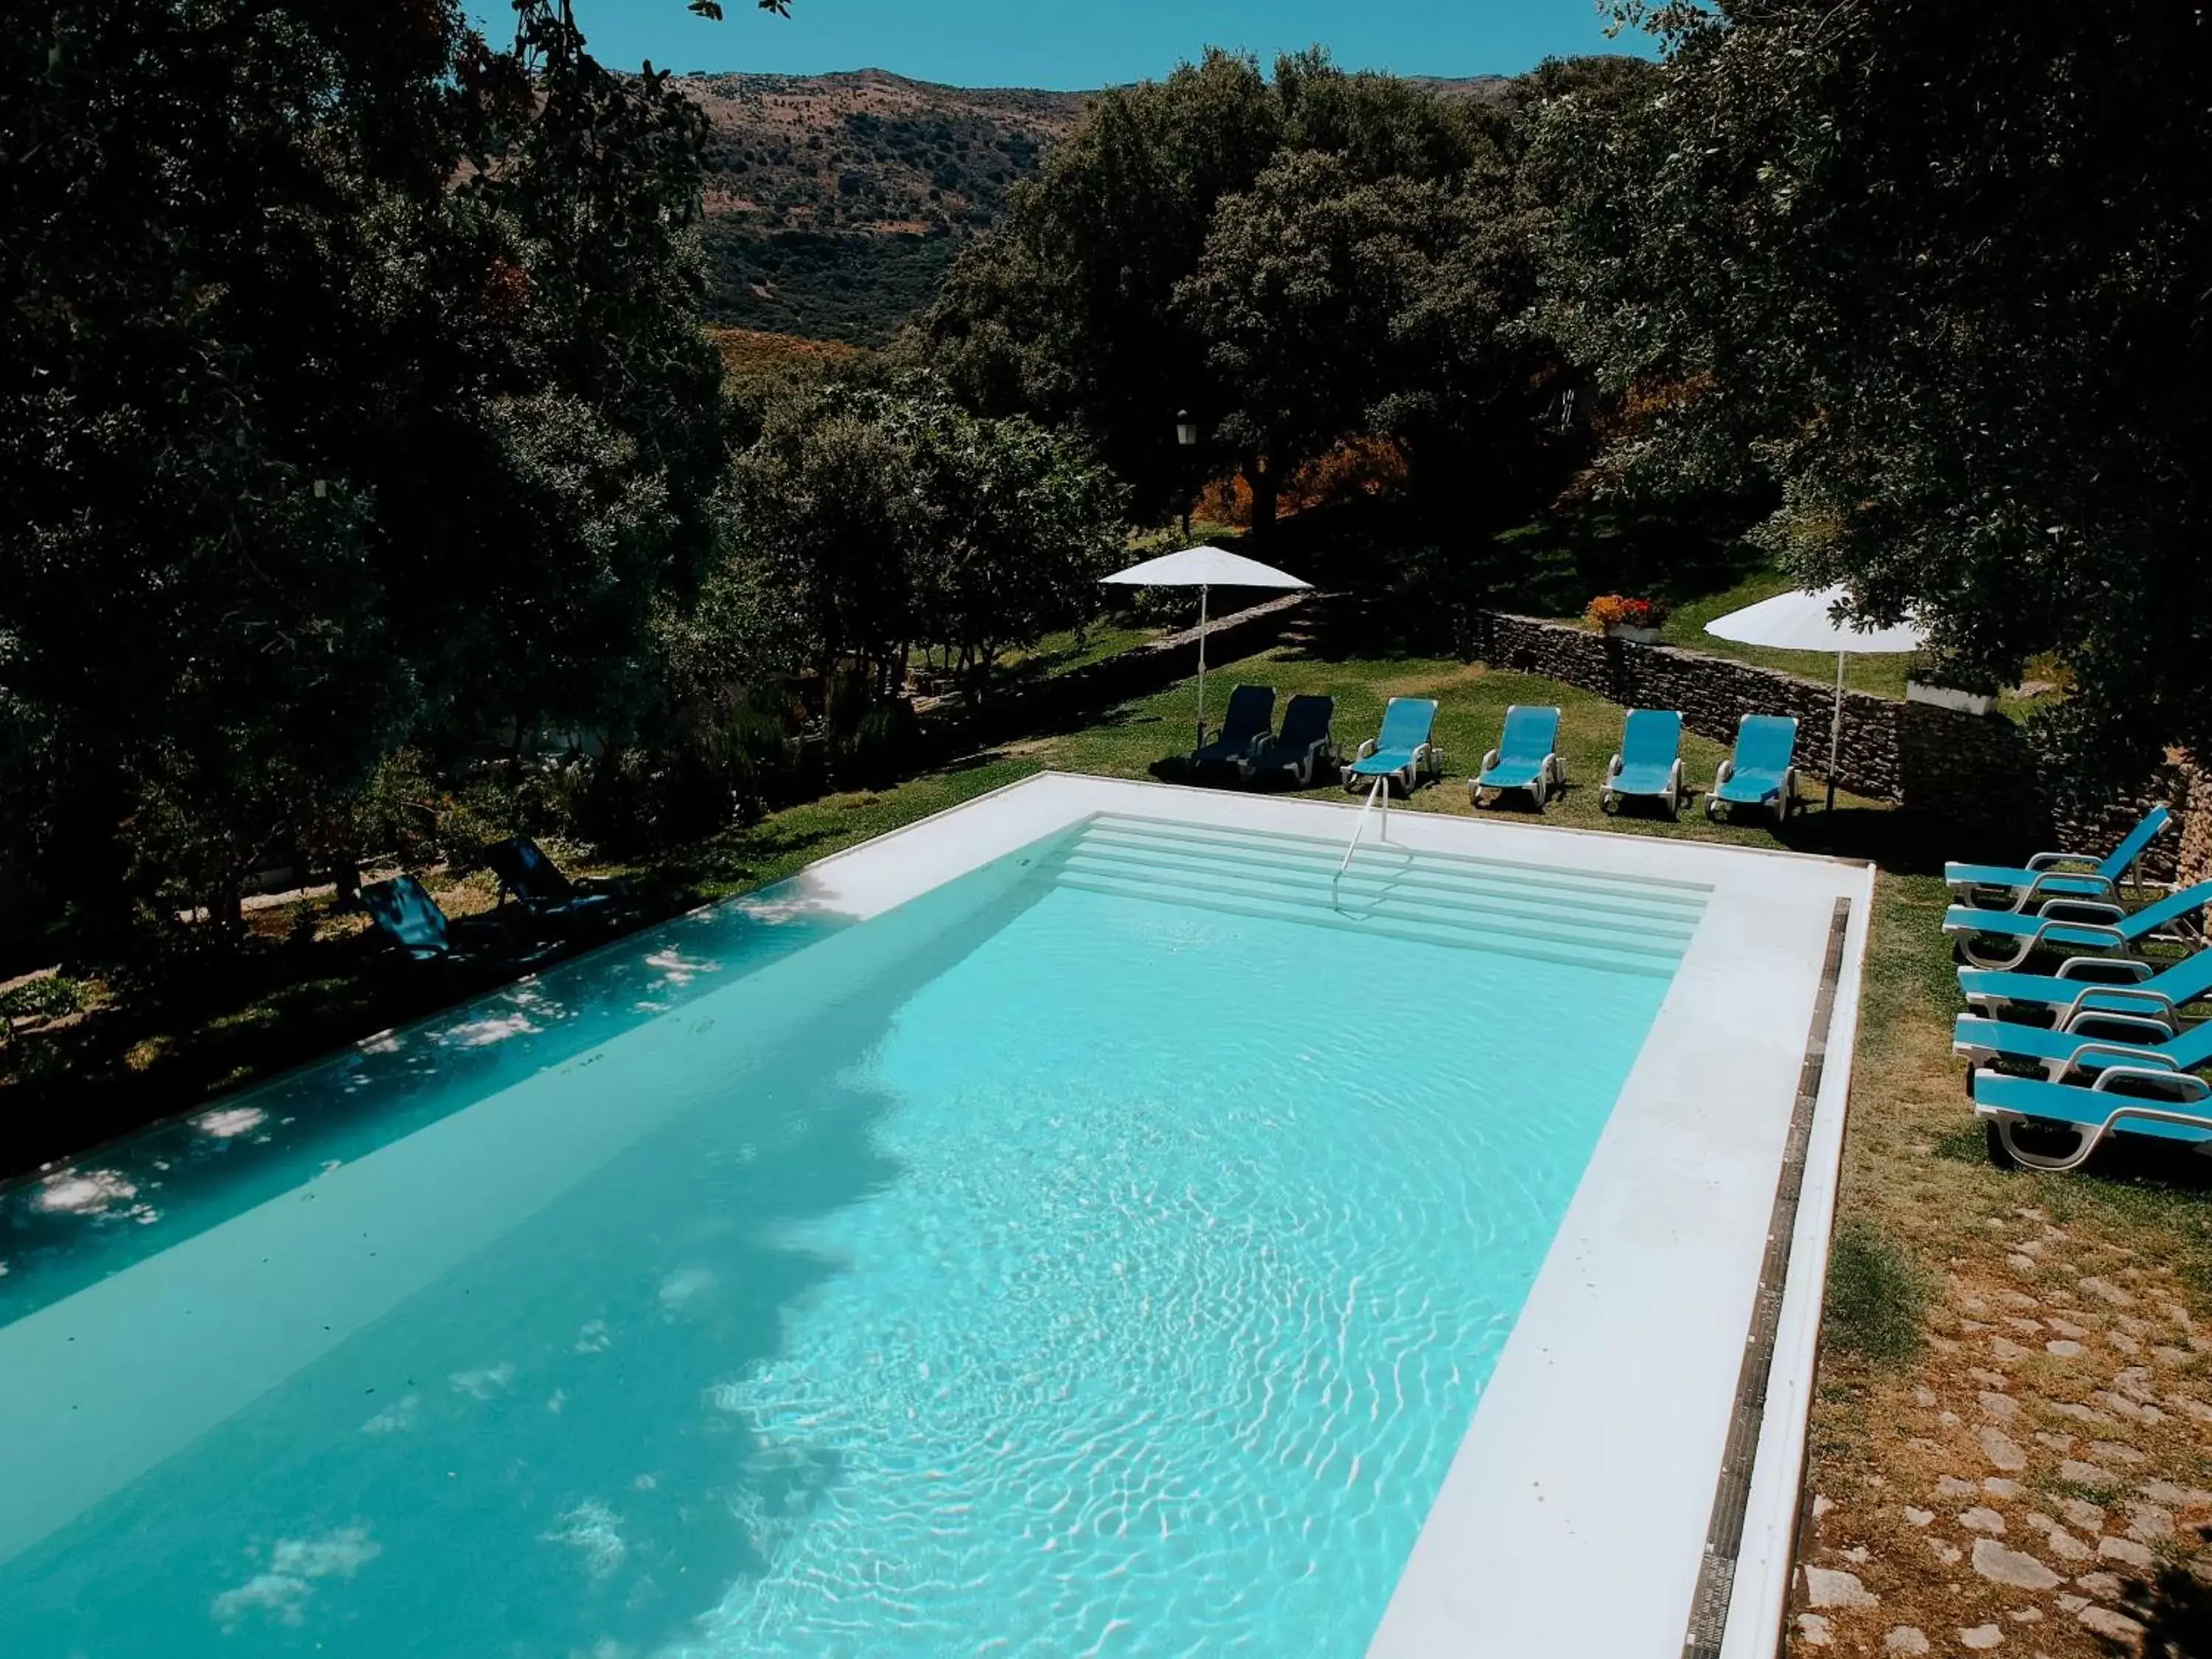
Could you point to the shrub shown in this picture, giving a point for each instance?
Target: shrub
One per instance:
(48, 996)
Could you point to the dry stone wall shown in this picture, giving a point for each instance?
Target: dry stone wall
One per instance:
(1157, 664)
(1138, 672)
(2193, 853)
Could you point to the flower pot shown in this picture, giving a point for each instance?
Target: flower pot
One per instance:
(1635, 635)
(1949, 696)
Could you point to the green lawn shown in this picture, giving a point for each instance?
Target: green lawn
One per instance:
(1058, 653)
(1555, 566)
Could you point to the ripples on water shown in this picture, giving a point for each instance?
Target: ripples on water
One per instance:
(1120, 1278)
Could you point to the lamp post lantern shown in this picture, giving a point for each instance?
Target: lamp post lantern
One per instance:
(1186, 439)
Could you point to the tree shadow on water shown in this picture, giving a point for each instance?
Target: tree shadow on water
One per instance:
(178, 1178)
(584, 1432)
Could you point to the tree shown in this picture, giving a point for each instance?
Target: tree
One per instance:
(350, 383)
(1070, 312)
(885, 518)
(572, 474)
(1294, 294)
(1939, 281)
(1025, 523)
(1335, 306)
(195, 239)
(828, 505)
(1066, 312)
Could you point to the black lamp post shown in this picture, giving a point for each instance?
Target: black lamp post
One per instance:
(1187, 438)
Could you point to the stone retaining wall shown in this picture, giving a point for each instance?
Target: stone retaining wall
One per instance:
(2193, 854)
(1157, 664)
(1138, 672)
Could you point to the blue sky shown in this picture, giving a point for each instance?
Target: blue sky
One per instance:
(1062, 44)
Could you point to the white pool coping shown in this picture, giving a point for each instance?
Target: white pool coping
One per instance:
(1574, 1517)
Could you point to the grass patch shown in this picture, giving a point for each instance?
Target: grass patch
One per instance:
(1910, 1111)
(1964, 1144)
(2089, 1491)
(1555, 566)
(1058, 653)
(1877, 1294)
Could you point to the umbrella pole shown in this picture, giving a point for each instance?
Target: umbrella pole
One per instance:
(1201, 669)
(1836, 732)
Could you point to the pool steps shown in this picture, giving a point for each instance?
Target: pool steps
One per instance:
(1451, 899)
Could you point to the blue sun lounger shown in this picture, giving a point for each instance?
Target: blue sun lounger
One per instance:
(1761, 773)
(1527, 757)
(2093, 1040)
(539, 884)
(1650, 764)
(2115, 984)
(2027, 888)
(1249, 720)
(1302, 744)
(2004, 939)
(2135, 1099)
(1401, 752)
(408, 917)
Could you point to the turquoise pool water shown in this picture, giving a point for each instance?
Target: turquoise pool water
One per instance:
(1097, 1254)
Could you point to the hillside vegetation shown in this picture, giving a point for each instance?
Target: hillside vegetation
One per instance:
(835, 203)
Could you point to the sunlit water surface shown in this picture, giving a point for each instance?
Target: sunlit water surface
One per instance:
(1095, 1275)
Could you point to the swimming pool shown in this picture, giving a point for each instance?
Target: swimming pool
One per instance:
(1100, 1241)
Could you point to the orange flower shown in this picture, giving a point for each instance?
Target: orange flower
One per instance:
(1614, 610)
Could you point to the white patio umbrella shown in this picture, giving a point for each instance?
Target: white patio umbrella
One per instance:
(1204, 568)
(1807, 621)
